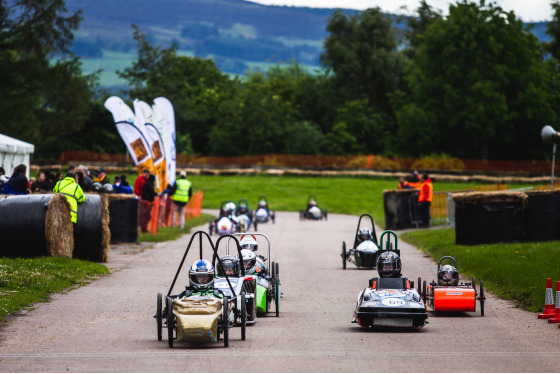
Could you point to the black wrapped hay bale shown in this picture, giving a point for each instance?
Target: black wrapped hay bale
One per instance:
(92, 235)
(397, 208)
(22, 225)
(123, 210)
(542, 216)
(489, 217)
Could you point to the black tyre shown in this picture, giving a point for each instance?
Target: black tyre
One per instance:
(277, 271)
(243, 315)
(424, 292)
(255, 225)
(419, 286)
(473, 284)
(170, 321)
(225, 323)
(273, 270)
(343, 255)
(273, 217)
(159, 317)
(277, 295)
(326, 214)
(481, 296)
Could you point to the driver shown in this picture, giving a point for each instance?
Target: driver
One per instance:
(230, 266)
(389, 265)
(448, 276)
(250, 243)
(201, 280)
(364, 234)
(250, 262)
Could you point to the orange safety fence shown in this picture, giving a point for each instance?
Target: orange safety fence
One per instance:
(148, 216)
(194, 206)
(193, 209)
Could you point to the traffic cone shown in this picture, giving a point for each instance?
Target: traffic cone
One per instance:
(556, 317)
(549, 309)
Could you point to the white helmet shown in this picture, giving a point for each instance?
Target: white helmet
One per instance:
(201, 275)
(249, 261)
(249, 242)
(229, 208)
(364, 234)
(262, 204)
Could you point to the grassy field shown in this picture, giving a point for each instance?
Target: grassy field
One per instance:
(27, 281)
(514, 271)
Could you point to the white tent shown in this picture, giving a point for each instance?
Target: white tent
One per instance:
(14, 152)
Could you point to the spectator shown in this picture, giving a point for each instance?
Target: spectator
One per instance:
(32, 181)
(181, 192)
(3, 178)
(102, 177)
(147, 197)
(88, 182)
(79, 177)
(425, 200)
(123, 186)
(73, 193)
(35, 186)
(49, 183)
(59, 177)
(414, 181)
(17, 184)
(139, 182)
(403, 184)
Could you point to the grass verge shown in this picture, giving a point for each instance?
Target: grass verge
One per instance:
(172, 233)
(24, 281)
(514, 271)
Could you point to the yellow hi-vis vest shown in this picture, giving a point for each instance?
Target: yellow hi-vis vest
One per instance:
(74, 194)
(182, 193)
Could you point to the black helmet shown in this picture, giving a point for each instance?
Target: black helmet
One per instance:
(389, 265)
(448, 276)
(364, 234)
(96, 186)
(230, 266)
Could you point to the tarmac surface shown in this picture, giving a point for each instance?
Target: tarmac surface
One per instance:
(108, 325)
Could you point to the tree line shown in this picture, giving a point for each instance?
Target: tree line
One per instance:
(474, 84)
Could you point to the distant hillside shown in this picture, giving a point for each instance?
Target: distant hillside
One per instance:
(237, 34)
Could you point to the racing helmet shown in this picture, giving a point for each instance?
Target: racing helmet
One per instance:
(107, 188)
(448, 276)
(364, 234)
(249, 242)
(230, 265)
(262, 204)
(242, 208)
(312, 203)
(389, 265)
(201, 275)
(229, 208)
(96, 186)
(249, 261)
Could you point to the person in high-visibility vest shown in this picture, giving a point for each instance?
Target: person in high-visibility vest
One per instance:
(425, 199)
(414, 181)
(73, 193)
(181, 192)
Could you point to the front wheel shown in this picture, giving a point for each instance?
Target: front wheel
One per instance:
(272, 270)
(343, 255)
(225, 322)
(170, 321)
(159, 317)
(424, 292)
(243, 315)
(277, 295)
(481, 299)
(419, 286)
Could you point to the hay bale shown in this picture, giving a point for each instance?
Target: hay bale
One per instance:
(123, 210)
(542, 216)
(88, 236)
(22, 225)
(399, 208)
(105, 232)
(59, 229)
(489, 217)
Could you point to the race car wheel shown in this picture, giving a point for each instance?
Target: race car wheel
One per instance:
(424, 292)
(481, 296)
(243, 315)
(210, 227)
(273, 270)
(273, 216)
(419, 286)
(255, 225)
(277, 271)
(473, 284)
(159, 317)
(326, 214)
(301, 215)
(277, 295)
(170, 321)
(225, 322)
(343, 255)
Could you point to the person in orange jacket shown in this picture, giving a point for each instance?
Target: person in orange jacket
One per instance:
(403, 184)
(425, 199)
(414, 181)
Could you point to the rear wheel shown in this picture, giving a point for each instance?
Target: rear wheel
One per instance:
(277, 295)
(481, 296)
(243, 315)
(326, 213)
(225, 322)
(419, 286)
(159, 317)
(343, 255)
(273, 270)
(273, 216)
(277, 271)
(170, 321)
(255, 223)
(424, 292)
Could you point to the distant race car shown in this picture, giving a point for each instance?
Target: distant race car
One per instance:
(365, 249)
(243, 216)
(263, 213)
(449, 295)
(226, 223)
(390, 302)
(312, 211)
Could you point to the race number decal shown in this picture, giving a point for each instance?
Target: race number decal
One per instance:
(453, 293)
(221, 285)
(393, 302)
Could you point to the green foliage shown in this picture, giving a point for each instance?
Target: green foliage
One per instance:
(27, 281)
(514, 271)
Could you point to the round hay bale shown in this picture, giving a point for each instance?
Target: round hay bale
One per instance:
(399, 207)
(22, 225)
(59, 227)
(91, 237)
(123, 210)
(542, 216)
(489, 217)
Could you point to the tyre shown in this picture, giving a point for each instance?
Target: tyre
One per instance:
(481, 296)
(243, 315)
(277, 271)
(277, 295)
(255, 224)
(424, 292)
(225, 322)
(419, 286)
(210, 227)
(170, 321)
(159, 317)
(273, 216)
(326, 213)
(273, 270)
(343, 255)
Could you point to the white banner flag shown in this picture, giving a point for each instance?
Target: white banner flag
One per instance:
(133, 137)
(168, 135)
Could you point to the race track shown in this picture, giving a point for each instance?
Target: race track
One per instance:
(107, 326)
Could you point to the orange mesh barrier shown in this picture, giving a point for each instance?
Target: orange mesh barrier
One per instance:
(148, 214)
(194, 206)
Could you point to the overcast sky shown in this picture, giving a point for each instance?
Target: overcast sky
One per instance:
(527, 10)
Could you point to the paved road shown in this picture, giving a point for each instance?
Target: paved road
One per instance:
(108, 325)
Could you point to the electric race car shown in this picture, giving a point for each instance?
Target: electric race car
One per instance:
(226, 223)
(448, 294)
(263, 213)
(243, 216)
(390, 301)
(312, 211)
(202, 315)
(365, 249)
